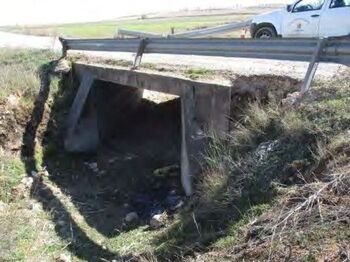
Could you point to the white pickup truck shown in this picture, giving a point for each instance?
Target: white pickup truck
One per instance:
(305, 18)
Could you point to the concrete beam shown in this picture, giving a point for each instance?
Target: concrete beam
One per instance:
(139, 79)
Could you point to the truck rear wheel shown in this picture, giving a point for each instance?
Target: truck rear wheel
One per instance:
(265, 32)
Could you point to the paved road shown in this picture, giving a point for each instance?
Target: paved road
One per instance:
(26, 41)
(236, 65)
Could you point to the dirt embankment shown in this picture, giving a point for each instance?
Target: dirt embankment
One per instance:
(101, 205)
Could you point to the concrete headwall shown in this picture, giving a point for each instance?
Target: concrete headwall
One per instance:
(115, 92)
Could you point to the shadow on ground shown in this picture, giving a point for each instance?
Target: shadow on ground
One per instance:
(80, 244)
(105, 187)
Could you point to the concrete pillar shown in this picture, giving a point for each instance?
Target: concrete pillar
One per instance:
(205, 112)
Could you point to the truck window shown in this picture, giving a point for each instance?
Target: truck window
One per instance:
(308, 5)
(339, 3)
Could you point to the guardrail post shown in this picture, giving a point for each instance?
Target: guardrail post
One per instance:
(140, 51)
(311, 71)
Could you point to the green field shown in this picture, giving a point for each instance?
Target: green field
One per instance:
(109, 28)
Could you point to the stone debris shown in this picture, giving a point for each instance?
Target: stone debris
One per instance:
(27, 182)
(18, 192)
(93, 166)
(44, 173)
(292, 99)
(13, 100)
(34, 206)
(63, 258)
(158, 221)
(131, 217)
(62, 67)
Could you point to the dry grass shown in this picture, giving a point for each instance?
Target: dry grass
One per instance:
(276, 187)
(14, 76)
(298, 159)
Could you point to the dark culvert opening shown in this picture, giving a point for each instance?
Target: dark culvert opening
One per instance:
(140, 146)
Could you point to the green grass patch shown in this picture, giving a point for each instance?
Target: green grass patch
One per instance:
(234, 231)
(109, 28)
(20, 72)
(11, 172)
(197, 73)
(269, 146)
(137, 241)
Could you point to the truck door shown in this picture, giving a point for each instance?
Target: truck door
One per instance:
(304, 19)
(336, 19)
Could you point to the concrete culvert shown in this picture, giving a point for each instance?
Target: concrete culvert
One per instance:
(136, 135)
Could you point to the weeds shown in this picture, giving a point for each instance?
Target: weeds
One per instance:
(271, 153)
(11, 172)
(273, 188)
(195, 74)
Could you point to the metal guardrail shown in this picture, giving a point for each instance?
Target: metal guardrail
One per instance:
(335, 50)
(212, 31)
(126, 32)
(330, 50)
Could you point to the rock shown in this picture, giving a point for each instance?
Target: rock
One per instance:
(158, 221)
(13, 100)
(63, 258)
(292, 99)
(34, 206)
(34, 174)
(93, 166)
(44, 173)
(18, 192)
(131, 217)
(62, 66)
(27, 182)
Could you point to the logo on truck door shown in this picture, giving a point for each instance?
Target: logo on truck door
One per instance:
(298, 25)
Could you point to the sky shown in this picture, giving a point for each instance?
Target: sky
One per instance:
(64, 11)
